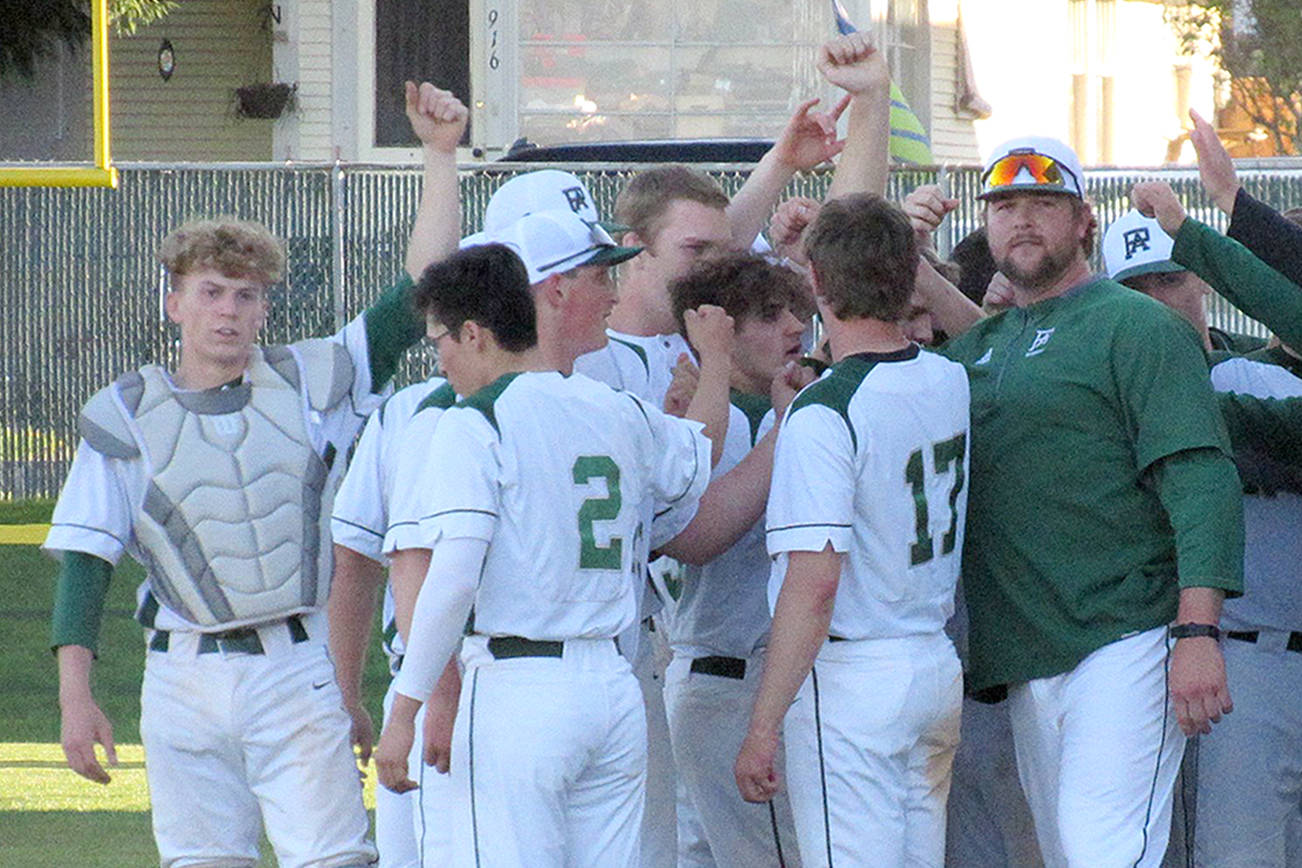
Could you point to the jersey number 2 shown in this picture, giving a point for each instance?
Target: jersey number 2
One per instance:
(591, 555)
(946, 451)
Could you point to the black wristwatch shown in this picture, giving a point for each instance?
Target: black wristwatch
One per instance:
(1193, 631)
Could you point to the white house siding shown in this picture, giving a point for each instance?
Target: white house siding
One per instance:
(219, 45)
(313, 30)
(953, 138)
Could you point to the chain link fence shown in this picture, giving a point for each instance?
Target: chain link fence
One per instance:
(83, 294)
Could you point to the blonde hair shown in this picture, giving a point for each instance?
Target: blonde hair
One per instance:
(234, 247)
(647, 197)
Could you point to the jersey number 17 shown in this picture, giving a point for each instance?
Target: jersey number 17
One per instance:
(944, 453)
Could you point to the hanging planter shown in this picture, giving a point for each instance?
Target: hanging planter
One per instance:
(267, 100)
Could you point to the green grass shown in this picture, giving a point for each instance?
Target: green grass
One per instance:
(48, 815)
(25, 511)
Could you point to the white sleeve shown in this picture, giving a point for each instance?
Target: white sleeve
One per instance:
(669, 521)
(420, 476)
(444, 603)
(811, 498)
(452, 482)
(360, 517)
(353, 337)
(681, 472)
(94, 511)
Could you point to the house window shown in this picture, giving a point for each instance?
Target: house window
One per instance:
(417, 40)
(601, 70)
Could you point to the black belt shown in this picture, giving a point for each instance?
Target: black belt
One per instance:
(244, 640)
(506, 647)
(1294, 638)
(723, 667)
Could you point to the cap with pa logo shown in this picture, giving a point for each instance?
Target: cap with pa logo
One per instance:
(1033, 163)
(1135, 245)
(554, 242)
(539, 191)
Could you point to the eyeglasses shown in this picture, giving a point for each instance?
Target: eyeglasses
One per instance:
(1043, 170)
(433, 340)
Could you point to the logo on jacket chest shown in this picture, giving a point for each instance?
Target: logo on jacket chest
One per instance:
(1037, 346)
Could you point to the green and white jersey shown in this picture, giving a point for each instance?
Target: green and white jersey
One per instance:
(639, 364)
(361, 511)
(410, 461)
(560, 475)
(723, 610)
(1069, 547)
(872, 458)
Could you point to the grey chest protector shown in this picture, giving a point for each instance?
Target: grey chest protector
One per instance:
(235, 521)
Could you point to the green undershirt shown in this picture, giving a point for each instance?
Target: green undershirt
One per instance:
(392, 327)
(79, 594)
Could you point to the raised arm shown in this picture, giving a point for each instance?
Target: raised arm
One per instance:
(808, 140)
(1215, 168)
(1229, 267)
(392, 326)
(439, 120)
(734, 501)
(950, 309)
(853, 64)
(1254, 224)
(710, 332)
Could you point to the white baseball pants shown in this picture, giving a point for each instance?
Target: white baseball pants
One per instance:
(708, 717)
(1098, 749)
(870, 744)
(548, 759)
(235, 741)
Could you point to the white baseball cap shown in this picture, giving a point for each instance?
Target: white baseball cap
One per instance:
(1033, 163)
(542, 190)
(553, 242)
(1135, 245)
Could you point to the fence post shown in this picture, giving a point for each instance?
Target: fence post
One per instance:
(338, 204)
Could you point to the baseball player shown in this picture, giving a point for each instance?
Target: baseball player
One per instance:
(1247, 802)
(866, 519)
(361, 508)
(553, 208)
(359, 522)
(1075, 631)
(720, 624)
(216, 477)
(548, 757)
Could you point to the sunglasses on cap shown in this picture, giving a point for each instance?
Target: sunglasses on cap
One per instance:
(1043, 169)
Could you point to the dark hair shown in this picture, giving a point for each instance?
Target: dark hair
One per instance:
(646, 198)
(744, 285)
(488, 285)
(976, 265)
(865, 257)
